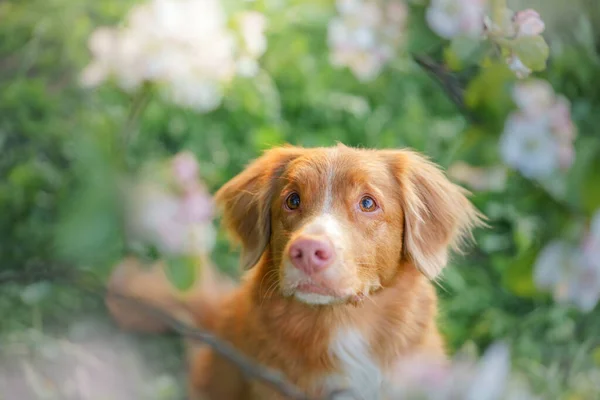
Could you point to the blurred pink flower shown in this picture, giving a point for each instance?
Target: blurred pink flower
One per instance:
(528, 145)
(487, 379)
(561, 121)
(528, 23)
(196, 206)
(365, 35)
(538, 137)
(185, 169)
(525, 23)
(534, 97)
(571, 272)
(590, 277)
(175, 221)
(451, 18)
(514, 25)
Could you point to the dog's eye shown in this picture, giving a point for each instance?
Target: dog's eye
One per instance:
(367, 204)
(292, 202)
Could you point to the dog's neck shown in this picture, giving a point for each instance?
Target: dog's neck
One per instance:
(406, 300)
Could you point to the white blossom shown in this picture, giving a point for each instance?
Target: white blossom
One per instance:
(538, 138)
(516, 65)
(514, 25)
(451, 18)
(184, 46)
(365, 35)
(533, 97)
(252, 29)
(554, 267)
(572, 272)
(524, 23)
(589, 279)
(528, 145)
(572, 277)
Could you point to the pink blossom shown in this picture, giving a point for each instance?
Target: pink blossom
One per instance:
(172, 212)
(560, 116)
(489, 378)
(528, 23)
(185, 169)
(572, 271)
(534, 97)
(528, 145)
(514, 25)
(196, 206)
(538, 137)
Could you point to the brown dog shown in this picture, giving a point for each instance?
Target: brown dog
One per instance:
(343, 244)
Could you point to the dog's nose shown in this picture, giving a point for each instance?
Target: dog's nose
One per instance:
(311, 255)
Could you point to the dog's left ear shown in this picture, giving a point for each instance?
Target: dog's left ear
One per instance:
(438, 216)
(246, 200)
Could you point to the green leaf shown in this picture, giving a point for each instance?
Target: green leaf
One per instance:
(596, 355)
(533, 51)
(423, 39)
(590, 190)
(489, 93)
(524, 234)
(267, 137)
(89, 230)
(518, 277)
(182, 271)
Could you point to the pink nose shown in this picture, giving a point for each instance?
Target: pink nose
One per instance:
(311, 255)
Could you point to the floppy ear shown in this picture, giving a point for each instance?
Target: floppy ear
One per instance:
(246, 200)
(438, 216)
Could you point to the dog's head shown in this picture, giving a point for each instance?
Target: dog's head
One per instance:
(337, 222)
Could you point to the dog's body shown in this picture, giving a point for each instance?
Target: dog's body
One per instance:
(343, 244)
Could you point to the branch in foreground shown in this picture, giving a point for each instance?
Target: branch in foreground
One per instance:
(250, 369)
(447, 81)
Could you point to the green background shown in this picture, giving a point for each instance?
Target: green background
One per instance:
(57, 162)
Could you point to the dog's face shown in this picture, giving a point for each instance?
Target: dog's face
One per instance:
(338, 222)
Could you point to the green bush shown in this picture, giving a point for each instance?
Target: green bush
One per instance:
(61, 155)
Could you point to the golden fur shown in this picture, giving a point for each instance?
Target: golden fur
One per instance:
(380, 284)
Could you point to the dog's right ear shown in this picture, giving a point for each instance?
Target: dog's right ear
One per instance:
(246, 200)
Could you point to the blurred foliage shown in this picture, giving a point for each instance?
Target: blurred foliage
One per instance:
(57, 187)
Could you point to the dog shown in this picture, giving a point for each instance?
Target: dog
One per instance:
(342, 247)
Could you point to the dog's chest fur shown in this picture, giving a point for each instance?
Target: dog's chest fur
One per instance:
(358, 372)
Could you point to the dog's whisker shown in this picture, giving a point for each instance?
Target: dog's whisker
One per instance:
(270, 274)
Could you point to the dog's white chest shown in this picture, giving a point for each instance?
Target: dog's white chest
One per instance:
(358, 371)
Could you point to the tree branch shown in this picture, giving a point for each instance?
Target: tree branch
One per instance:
(446, 79)
(249, 368)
